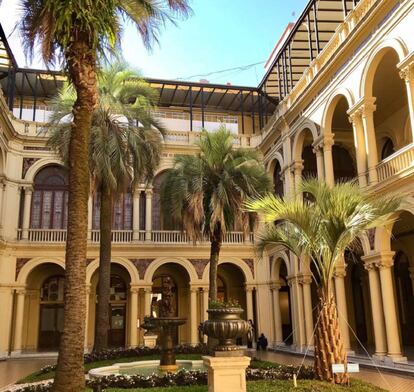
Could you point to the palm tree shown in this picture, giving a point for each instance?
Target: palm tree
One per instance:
(323, 226)
(207, 191)
(125, 148)
(76, 32)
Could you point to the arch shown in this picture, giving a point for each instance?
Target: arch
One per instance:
(33, 263)
(248, 275)
(40, 164)
(164, 260)
(374, 59)
(163, 167)
(273, 159)
(365, 245)
(276, 263)
(300, 135)
(330, 107)
(2, 160)
(132, 271)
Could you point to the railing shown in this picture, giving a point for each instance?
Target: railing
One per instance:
(395, 163)
(43, 235)
(117, 236)
(129, 236)
(189, 138)
(169, 237)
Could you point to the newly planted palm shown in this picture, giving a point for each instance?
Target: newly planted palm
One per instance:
(76, 32)
(323, 227)
(124, 149)
(207, 191)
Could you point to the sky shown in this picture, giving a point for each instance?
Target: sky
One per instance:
(220, 35)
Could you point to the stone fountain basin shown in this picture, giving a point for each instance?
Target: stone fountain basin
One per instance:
(144, 368)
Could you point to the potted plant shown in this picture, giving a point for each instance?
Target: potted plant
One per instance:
(225, 325)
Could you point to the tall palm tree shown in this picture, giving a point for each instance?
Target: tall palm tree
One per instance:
(76, 32)
(323, 226)
(207, 191)
(125, 149)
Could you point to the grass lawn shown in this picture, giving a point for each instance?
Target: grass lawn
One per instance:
(38, 376)
(272, 386)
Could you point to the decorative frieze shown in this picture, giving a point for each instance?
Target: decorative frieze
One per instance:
(199, 265)
(20, 262)
(27, 163)
(250, 264)
(141, 265)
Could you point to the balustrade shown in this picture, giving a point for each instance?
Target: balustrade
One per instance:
(396, 163)
(126, 236)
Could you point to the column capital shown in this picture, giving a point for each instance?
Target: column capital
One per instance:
(21, 291)
(305, 279)
(291, 280)
(363, 108)
(148, 191)
(381, 260)
(249, 287)
(327, 141)
(340, 271)
(297, 167)
(276, 285)
(134, 289)
(406, 68)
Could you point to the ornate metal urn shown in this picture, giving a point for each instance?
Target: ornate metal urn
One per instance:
(225, 325)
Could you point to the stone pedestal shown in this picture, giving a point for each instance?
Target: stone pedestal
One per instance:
(226, 374)
(150, 340)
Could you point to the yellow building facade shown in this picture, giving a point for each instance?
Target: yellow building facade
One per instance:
(337, 102)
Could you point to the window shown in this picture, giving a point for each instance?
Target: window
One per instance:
(53, 289)
(50, 199)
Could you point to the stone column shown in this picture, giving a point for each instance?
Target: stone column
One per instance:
(133, 317)
(18, 329)
(148, 214)
(193, 316)
(411, 270)
(147, 301)
(297, 169)
(367, 109)
(297, 311)
(384, 263)
(26, 212)
(318, 151)
(6, 301)
(1, 204)
(327, 156)
(205, 307)
(90, 216)
(88, 298)
(360, 149)
(135, 213)
(306, 280)
(340, 294)
(376, 307)
(277, 316)
(249, 302)
(407, 74)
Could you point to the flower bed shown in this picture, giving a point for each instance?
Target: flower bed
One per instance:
(257, 371)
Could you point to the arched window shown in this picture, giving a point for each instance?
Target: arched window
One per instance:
(387, 149)
(121, 213)
(53, 289)
(277, 180)
(50, 199)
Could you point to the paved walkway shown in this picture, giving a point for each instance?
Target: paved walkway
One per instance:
(387, 380)
(13, 370)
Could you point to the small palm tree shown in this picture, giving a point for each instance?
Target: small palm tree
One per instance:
(125, 149)
(207, 191)
(323, 226)
(76, 32)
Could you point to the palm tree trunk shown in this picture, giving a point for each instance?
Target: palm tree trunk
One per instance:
(214, 259)
(329, 346)
(104, 282)
(70, 375)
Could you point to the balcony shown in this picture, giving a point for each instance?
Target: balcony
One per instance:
(396, 163)
(174, 237)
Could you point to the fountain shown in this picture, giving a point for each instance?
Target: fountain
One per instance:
(166, 323)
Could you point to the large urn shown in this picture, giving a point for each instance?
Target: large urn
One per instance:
(226, 325)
